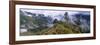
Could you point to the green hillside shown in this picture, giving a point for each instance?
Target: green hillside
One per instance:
(58, 28)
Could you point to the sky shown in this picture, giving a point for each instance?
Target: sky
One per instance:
(58, 14)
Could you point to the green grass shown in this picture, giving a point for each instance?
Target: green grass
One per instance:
(58, 28)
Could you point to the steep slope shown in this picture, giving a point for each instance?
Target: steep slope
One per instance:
(61, 28)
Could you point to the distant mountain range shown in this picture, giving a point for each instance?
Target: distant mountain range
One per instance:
(34, 21)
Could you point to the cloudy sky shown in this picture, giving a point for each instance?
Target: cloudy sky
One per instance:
(54, 13)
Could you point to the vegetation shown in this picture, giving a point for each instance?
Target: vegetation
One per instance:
(46, 25)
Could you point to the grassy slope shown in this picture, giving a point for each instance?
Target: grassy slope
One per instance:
(58, 28)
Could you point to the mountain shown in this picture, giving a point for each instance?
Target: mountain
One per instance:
(41, 24)
(83, 20)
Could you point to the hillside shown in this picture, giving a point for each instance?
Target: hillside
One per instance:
(47, 24)
(58, 28)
